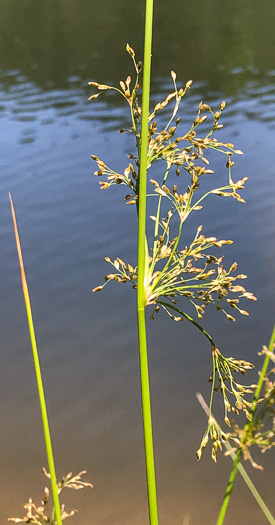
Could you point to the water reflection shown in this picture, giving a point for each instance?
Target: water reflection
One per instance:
(51, 41)
(26, 103)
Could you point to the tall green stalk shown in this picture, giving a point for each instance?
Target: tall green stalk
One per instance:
(41, 394)
(142, 265)
(233, 474)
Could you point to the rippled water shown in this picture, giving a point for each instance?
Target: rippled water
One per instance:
(88, 343)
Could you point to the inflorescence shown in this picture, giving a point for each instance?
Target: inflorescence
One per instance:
(174, 271)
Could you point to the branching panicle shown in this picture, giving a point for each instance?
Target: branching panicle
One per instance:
(175, 272)
(39, 515)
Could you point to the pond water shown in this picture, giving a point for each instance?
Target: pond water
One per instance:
(49, 50)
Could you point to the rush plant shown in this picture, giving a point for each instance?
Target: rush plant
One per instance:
(170, 275)
(176, 275)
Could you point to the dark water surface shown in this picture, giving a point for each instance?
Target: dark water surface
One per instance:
(49, 50)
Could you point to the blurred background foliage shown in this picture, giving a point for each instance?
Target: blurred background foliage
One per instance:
(57, 39)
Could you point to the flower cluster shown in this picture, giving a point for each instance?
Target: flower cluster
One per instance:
(217, 437)
(191, 273)
(185, 152)
(223, 380)
(260, 431)
(175, 272)
(40, 515)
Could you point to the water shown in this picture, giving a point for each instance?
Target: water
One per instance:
(88, 343)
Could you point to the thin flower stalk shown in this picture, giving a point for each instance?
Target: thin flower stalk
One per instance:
(43, 407)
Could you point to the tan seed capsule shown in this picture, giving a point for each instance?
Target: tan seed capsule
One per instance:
(130, 50)
(238, 152)
(244, 312)
(94, 96)
(103, 86)
(97, 288)
(202, 119)
(173, 75)
(128, 81)
(198, 454)
(233, 267)
(250, 296)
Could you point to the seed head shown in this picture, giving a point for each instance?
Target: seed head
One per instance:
(173, 75)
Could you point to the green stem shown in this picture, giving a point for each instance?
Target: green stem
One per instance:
(239, 451)
(142, 263)
(189, 318)
(254, 491)
(213, 381)
(263, 374)
(147, 420)
(41, 394)
(229, 487)
(237, 466)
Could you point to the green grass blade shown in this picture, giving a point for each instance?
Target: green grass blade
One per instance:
(142, 265)
(38, 374)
